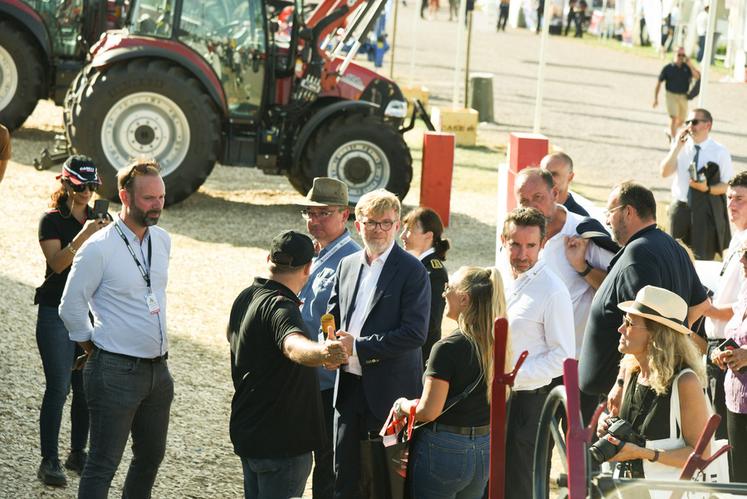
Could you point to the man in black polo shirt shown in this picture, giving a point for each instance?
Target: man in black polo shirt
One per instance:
(677, 76)
(276, 412)
(649, 256)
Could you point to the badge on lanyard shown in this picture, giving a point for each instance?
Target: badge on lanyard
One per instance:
(152, 302)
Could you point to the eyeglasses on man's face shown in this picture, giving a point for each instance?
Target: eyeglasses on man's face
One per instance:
(384, 225)
(609, 212)
(317, 214)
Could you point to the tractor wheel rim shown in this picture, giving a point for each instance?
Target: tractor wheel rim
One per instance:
(146, 124)
(8, 78)
(362, 165)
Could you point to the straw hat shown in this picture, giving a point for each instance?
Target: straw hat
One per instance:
(659, 305)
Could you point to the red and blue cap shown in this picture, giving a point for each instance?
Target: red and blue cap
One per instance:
(79, 170)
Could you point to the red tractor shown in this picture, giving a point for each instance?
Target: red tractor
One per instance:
(245, 83)
(43, 45)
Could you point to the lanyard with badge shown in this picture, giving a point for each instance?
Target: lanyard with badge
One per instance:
(318, 262)
(150, 298)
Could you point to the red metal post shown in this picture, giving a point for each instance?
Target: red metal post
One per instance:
(524, 150)
(437, 171)
(576, 436)
(498, 408)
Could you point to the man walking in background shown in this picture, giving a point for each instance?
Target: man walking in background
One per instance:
(120, 274)
(676, 76)
(325, 210)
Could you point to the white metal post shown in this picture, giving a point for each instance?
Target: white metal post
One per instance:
(541, 68)
(705, 64)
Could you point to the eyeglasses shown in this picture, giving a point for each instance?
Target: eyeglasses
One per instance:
(609, 212)
(695, 122)
(140, 169)
(629, 323)
(92, 186)
(384, 225)
(321, 214)
(681, 56)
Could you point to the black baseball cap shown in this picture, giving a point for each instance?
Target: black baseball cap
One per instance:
(291, 249)
(79, 170)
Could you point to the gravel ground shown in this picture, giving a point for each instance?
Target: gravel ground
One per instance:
(597, 108)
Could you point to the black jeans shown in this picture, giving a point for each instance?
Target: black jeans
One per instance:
(737, 428)
(323, 478)
(125, 395)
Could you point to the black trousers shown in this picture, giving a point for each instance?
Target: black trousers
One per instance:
(503, 16)
(354, 424)
(323, 478)
(737, 427)
(524, 412)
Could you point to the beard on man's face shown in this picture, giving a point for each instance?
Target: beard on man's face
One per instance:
(145, 218)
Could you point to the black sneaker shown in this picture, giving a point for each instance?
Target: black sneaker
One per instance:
(50, 472)
(76, 460)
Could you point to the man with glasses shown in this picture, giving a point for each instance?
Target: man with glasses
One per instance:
(649, 257)
(120, 275)
(701, 168)
(381, 302)
(325, 210)
(676, 76)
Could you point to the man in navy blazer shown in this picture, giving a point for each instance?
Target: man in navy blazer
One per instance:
(381, 302)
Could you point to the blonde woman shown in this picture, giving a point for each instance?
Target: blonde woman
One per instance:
(450, 456)
(658, 353)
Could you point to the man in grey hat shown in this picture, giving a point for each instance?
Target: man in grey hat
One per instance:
(325, 210)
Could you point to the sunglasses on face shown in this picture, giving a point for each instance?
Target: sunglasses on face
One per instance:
(694, 122)
(91, 186)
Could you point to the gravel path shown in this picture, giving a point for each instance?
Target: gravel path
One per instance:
(597, 108)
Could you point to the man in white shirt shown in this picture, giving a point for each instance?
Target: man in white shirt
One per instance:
(731, 279)
(120, 274)
(540, 318)
(580, 263)
(381, 302)
(701, 168)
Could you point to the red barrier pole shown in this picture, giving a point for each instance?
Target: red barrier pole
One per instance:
(577, 435)
(498, 408)
(524, 150)
(437, 171)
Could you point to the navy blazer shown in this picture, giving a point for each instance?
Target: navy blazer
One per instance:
(389, 347)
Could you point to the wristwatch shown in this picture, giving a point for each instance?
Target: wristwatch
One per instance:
(586, 271)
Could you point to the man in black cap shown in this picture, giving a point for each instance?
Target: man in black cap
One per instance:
(276, 412)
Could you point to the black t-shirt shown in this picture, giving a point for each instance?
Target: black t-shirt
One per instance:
(676, 78)
(650, 257)
(454, 359)
(58, 224)
(277, 409)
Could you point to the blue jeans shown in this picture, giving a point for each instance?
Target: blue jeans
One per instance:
(447, 466)
(58, 354)
(277, 478)
(125, 395)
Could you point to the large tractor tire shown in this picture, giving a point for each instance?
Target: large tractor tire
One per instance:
(21, 76)
(145, 109)
(362, 151)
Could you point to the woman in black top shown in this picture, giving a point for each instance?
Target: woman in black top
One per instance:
(450, 457)
(422, 236)
(62, 231)
(658, 352)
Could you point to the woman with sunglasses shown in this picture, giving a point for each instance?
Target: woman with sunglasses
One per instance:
(62, 231)
(422, 236)
(450, 455)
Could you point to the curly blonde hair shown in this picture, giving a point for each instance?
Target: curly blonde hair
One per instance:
(668, 352)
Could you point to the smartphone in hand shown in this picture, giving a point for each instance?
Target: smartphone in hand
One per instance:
(101, 208)
(730, 344)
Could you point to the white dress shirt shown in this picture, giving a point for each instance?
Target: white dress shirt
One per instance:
(369, 277)
(582, 293)
(105, 278)
(710, 150)
(540, 321)
(729, 283)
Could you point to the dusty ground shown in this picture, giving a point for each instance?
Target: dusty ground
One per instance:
(597, 107)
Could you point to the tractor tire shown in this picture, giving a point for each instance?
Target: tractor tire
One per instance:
(362, 151)
(21, 76)
(146, 108)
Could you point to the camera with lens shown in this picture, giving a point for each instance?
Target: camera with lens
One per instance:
(604, 450)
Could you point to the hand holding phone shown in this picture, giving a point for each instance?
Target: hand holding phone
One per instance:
(101, 208)
(729, 345)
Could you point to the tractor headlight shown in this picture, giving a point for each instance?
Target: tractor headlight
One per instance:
(396, 109)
